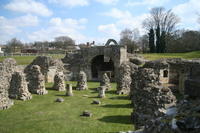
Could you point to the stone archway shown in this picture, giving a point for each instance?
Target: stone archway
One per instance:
(99, 66)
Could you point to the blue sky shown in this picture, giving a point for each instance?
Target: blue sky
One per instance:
(84, 20)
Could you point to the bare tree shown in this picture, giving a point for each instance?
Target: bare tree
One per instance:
(64, 41)
(14, 45)
(163, 23)
(128, 37)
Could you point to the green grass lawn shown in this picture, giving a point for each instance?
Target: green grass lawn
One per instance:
(189, 55)
(25, 60)
(42, 115)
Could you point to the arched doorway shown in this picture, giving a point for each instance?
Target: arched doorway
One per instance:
(98, 67)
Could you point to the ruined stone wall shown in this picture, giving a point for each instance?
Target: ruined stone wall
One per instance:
(82, 60)
(149, 97)
(7, 67)
(185, 74)
(49, 66)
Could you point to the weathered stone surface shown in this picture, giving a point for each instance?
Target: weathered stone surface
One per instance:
(36, 81)
(18, 87)
(59, 82)
(124, 79)
(137, 60)
(185, 120)
(151, 100)
(49, 67)
(86, 114)
(82, 81)
(7, 67)
(105, 81)
(102, 90)
(69, 90)
(59, 100)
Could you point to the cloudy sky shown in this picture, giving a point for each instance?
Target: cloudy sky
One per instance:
(84, 20)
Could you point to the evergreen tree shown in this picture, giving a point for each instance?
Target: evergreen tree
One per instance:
(163, 42)
(158, 43)
(151, 41)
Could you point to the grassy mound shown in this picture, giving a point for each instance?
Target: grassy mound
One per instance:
(43, 115)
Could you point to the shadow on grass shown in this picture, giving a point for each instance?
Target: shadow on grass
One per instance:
(61, 95)
(120, 98)
(111, 92)
(94, 97)
(117, 119)
(49, 88)
(117, 106)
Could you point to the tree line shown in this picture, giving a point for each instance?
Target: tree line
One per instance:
(162, 34)
(61, 42)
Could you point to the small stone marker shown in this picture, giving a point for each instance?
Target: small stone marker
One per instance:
(86, 113)
(69, 90)
(60, 100)
(102, 90)
(96, 102)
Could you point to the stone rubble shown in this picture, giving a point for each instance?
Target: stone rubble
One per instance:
(82, 81)
(36, 81)
(105, 81)
(59, 82)
(18, 87)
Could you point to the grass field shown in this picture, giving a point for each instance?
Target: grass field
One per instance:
(189, 55)
(43, 115)
(25, 60)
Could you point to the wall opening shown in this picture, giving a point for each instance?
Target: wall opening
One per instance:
(165, 73)
(99, 67)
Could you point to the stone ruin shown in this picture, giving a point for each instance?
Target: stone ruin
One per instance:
(95, 61)
(49, 67)
(155, 106)
(7, 67)
(105, 81)
(59, 82)
(82, 81)
(18, 87)
(36, 81)
(150, 98)
(124, 78)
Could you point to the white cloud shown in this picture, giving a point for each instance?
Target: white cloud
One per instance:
(110, 29)
(116, 13)
(74, 3)
(107, 1)
(61, 27)
(28, 6)
(9, 27)
(147, 2)
(71, 3)
(188, 13)
(124, 19)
